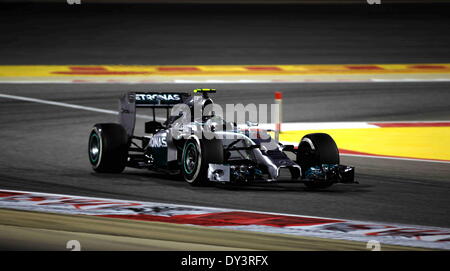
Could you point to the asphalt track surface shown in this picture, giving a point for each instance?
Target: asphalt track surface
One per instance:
(44, 148)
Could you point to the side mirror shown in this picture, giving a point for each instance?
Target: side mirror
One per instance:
(289, 148)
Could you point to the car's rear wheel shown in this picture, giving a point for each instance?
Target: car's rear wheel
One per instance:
(108, 148)
(196, 157)
(315, 150)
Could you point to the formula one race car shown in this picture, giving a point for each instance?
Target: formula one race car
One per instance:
(207, 148)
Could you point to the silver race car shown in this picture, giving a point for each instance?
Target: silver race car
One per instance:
(207, 148)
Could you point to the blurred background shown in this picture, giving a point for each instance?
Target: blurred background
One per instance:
(37, 32)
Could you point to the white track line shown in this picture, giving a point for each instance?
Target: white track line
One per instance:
(299, 126)
(395, 158)
(309, 125)
(381, 156)
(73, 106)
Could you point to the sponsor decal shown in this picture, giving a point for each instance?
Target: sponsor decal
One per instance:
(157, 97)
(420, 236)
(158, 142)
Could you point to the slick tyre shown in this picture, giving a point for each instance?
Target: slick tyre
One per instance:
(196, 157)
(314, 150)
(108, 148)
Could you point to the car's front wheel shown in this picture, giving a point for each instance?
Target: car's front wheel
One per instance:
(315, 150)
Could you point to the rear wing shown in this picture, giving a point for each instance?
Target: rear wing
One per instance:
(153, 100)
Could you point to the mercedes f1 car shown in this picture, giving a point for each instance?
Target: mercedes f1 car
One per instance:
(234, 154)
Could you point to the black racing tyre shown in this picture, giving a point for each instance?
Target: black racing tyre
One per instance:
(314, 150)
(196, 157)
(108, 148)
